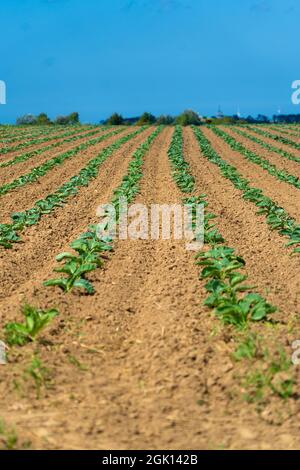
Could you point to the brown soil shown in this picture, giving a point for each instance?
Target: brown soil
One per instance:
(10, 173)
(29, 136)
(56, 230)
(291, 136)
(282, 193)
(275, 143)
(142, 364)
(135, 324)
(14, 153)
(15, 201)
(8, 157)
(285, 132)
(244, 230)
(282, 163)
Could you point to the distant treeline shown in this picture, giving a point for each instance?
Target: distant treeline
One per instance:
(187, 118)
(190, 117)
(287, 118)
(43, 120)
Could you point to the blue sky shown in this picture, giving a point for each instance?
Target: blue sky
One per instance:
(163, 56)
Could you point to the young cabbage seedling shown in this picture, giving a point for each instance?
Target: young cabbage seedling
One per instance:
(35, 320)
(88, 258)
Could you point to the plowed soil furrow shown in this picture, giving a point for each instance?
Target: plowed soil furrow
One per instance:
(244, 230)
(39, 145)
(153, 368)
(282, 193)
(7, 158)
(8, 174)
(30, 136)
(18, 135)
(15, 201)
(277, 132)
(286, 132)
(12, 132)
(282, 163)
(276, 143)
(55, 231)
(153, 375)
(144, 319)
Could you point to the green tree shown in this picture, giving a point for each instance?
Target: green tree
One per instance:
(165, 120)
(145, 119)
(73, 118)
(70, 120)
(115, 120)
(43, 120)
(227, 120)
(61, 120)
(262, 118)
(26, 120)
(188, 118)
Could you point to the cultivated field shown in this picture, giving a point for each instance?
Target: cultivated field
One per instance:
(138, 344)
